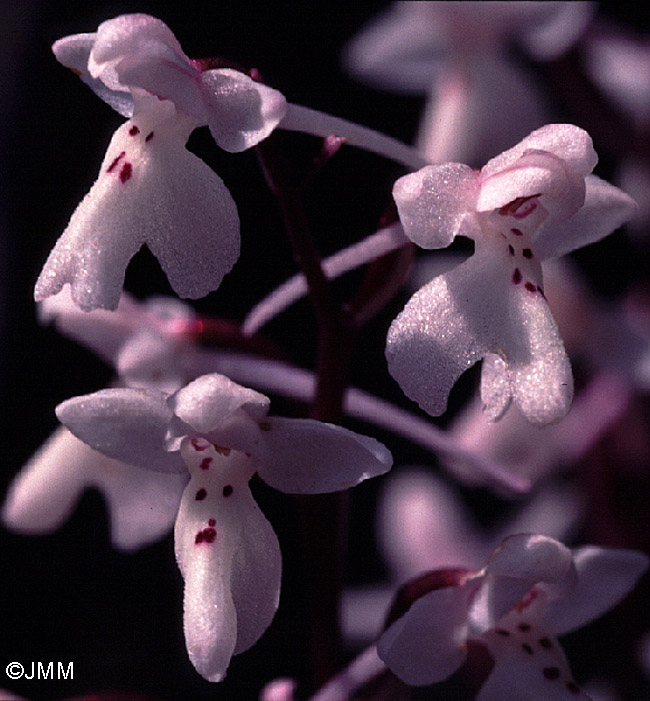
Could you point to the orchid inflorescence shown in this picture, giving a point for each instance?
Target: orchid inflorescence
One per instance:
(174, 443)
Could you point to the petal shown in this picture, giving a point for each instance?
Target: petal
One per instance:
(469, 312)
(208, 402)
(453, 126)
(520, 562)
(427, 644)
(434, 202)
(564, 24)
(604, 210)
(134, 35)
(125, 424)
(73, 52)
(229, 557)
(423, 525)
(566, 141)
(528, 664)
(48, 487)
(401, 49)
(142, 505)
(534, 173)
(167, 79)
(150, 189)
(102, 331)
(240, 111)
(605, 577)
(303, 456)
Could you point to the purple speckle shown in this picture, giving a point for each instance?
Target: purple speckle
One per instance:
(524, 627)
(207, 535)
(134, 131)
(527, 253)
(116, 160)
(149, 136)
(527, 648)
(205, 463)
(227, 490)
(201, 495)
(511, 250)
(126, 172)
(516, 276)
(197, 445)
(531, 287)
(211, 522)
(551, 673)
(517, 232)
(573, 687)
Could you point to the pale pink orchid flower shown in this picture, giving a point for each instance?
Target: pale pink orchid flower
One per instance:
(532, 203)
(459, 55)
(150, 188)
(423, 524)
(532, 590)
(218, 433)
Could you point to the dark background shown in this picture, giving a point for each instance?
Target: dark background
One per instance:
(69, 596)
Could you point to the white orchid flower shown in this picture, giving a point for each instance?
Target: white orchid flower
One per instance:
(534, 202)
(531, 590)
(219, 433)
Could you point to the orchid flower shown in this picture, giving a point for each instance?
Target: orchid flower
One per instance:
(531, 590)
(152, 190)
(137, 340)
(423, 524)
(219, 433)
(534, 202)
(457, 54)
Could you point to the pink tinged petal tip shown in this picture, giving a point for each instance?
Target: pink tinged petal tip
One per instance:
(434, 202)
(240, 111)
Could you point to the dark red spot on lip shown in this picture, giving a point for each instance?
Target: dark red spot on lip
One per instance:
(149, 136)
(116, 160)
(211, 522)
(201, 495)
(527, 253)
(530, 287)
(520, 207)
(205, 463)
(517, 232)
(516, 276)
(134, 131)
(197, 445)
(551, 673)
(227, 490)
(126, 172)
(207, 535)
